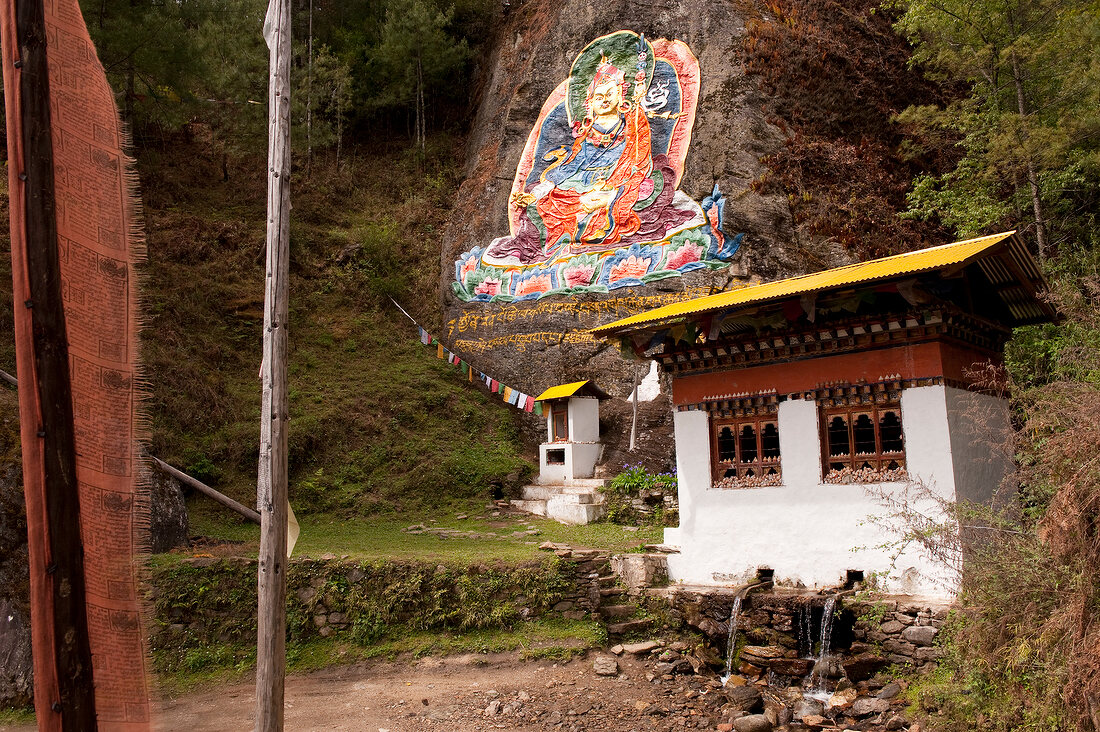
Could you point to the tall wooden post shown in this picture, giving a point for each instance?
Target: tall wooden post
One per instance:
(271, 487)
(634, 418)
(64, 693)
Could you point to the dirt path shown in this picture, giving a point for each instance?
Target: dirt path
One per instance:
(447, 694)
(495, 692)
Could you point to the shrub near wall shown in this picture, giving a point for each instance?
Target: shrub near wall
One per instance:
(203, 602)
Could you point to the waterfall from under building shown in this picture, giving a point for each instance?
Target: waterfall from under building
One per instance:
(731, 644)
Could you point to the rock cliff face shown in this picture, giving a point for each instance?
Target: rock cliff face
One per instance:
(749, 133)
(541, 343)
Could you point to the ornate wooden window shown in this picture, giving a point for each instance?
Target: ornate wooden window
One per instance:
(745, 451)
(863, 437)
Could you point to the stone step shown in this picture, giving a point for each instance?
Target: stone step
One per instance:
(535, 506)
(590, 483)
(629, 626)
(539, 492)
(606, 592)
(572, 512)
(546, 492)
(608, 580)
(617, 612)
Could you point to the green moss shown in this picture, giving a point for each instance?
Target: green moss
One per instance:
(205, 610)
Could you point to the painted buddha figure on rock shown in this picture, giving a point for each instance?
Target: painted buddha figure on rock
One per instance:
(594, 203)
(586, 199)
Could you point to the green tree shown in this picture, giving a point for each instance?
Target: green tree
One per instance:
(1029, 129)
(174, 61)
(416, 58)
(148, 54)
(321, 99)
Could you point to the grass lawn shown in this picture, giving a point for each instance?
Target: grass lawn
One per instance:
(481, 536)
(554, 639)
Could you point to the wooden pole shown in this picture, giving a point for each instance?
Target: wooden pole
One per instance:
(634, 418)
(271, 486)
(64, 691)
(207, 491)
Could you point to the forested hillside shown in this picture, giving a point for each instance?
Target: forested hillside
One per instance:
(896, 126)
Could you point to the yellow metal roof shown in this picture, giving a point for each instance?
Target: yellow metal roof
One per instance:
(922, 260)
(560, 392)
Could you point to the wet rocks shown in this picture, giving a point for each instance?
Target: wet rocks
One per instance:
(744, 699)
(808, 708)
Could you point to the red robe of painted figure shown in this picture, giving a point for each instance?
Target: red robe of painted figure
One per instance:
(617, 160)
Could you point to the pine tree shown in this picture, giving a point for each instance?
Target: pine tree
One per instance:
(1032, 114)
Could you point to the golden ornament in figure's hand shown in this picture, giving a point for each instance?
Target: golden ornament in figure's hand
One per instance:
(521, 200)
(596, 199)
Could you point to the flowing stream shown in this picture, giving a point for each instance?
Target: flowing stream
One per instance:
(817, 678)
(731, 644)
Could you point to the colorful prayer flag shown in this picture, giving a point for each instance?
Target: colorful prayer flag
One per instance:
(538, 408)
(529, 404)
(438, 349)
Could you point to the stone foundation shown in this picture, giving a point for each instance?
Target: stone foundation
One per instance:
(867, 634)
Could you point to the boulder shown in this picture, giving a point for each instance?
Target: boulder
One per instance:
(842, 699)
(744, 698)
(829, 667)
(683, 666)
(869, 705)
(863, 666)
(760, 655)
(638, 649)
(808, 708)
(16, 674)
(168, 526)
(920, 635)
(892, 627)
(605, 666)
(791, 666)
(731, 138)
(752, 723)
(889, 691)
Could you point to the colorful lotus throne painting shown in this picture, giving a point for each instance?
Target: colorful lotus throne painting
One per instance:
(594, 204)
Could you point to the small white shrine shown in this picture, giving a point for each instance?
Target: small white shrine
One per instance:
(572, 445)
(565, 489)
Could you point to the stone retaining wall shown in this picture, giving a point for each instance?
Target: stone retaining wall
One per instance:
(871, 633)
(205, 600)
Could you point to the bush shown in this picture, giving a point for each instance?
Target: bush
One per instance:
(636, 496)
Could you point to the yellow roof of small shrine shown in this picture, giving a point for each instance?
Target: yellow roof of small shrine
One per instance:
(1019, 266)
(568, 390)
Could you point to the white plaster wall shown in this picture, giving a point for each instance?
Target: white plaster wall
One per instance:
(808, 532)
(928, 439)
(553, 473)
(799, 443)
(584, 419)
(980, 443)
(581, 459)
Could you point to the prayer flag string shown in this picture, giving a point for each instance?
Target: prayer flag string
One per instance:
(513, 397)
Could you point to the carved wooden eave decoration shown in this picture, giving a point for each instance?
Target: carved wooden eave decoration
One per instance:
(973, 291)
